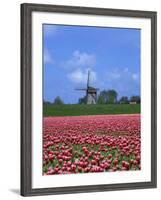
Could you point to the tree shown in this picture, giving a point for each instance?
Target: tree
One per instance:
(82, 100)
(46, 102)
(58, 101)
(107, 96)
(135, 99)
(112, 96)
(103, 97)
(101, 100)
(124, 100)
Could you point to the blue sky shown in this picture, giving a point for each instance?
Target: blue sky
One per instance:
(111, 54)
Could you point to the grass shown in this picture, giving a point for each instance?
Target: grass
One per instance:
(76, 109)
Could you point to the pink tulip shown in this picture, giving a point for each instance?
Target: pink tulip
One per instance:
(85, 144)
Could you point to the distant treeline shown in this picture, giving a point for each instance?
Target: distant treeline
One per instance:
(104, 97)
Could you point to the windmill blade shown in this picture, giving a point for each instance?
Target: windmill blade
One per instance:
(84, 89)
(88, 79)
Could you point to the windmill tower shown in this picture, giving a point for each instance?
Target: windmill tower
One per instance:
(91, 92)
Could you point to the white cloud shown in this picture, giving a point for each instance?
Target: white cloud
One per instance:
(114, 74)
(50, 30)
(47, 57)
(126, 69)
(135, 76)
(117, 73)
(77, 67)
(79, 60)
(79, 76)
(123, 80)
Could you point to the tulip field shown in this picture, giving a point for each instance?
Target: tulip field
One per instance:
(91, 143)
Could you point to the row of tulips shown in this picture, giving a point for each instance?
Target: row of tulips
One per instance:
(91, 144)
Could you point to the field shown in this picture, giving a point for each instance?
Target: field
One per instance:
(98, 143)
(76, 110)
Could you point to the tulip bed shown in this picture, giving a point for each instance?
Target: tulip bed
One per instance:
(83, 144)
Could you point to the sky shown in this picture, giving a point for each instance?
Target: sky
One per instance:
(112, 55)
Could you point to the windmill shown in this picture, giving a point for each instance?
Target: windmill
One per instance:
(91, 92)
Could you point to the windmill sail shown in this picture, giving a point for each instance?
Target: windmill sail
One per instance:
(88, 79)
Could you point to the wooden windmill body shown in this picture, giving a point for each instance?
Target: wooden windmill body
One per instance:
(91, 92)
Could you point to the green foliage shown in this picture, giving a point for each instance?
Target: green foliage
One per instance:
(107, 97)
(112, 96)
(103, 97)
(135, 99)
(46, 102)
(82, 100)
(58, 101)
(124, 100)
